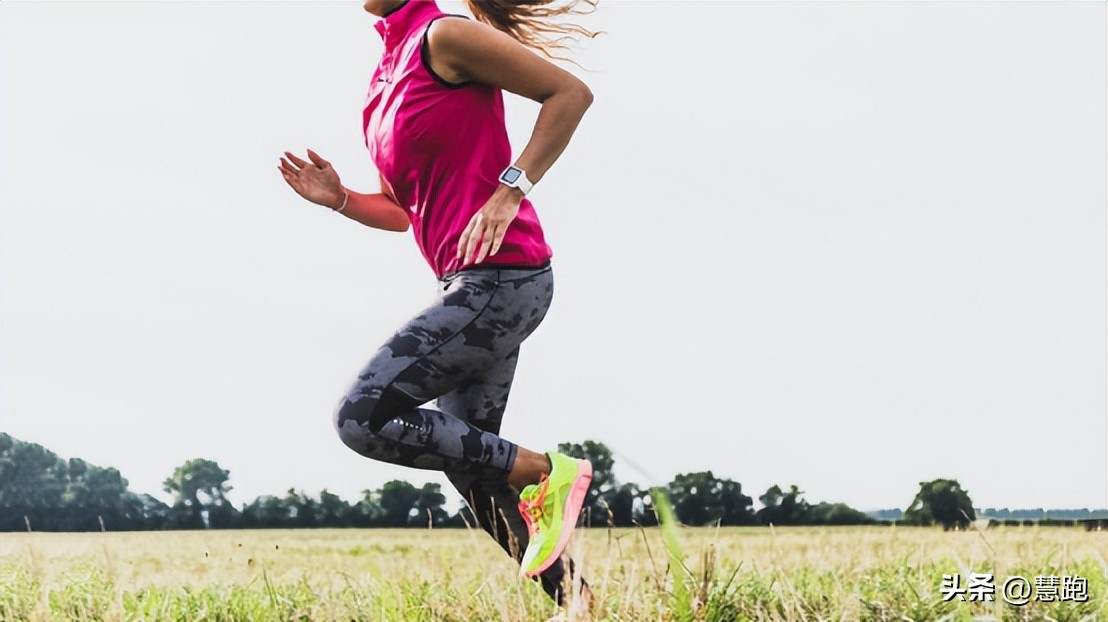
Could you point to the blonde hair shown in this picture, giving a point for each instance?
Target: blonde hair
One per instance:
(531, 21)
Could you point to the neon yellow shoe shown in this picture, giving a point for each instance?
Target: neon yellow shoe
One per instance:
(550, 509)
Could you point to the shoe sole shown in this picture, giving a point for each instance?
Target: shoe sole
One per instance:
(570, 513)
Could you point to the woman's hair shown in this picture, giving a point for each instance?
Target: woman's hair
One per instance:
(531, 21)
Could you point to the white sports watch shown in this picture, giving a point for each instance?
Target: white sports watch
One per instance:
(514, 177)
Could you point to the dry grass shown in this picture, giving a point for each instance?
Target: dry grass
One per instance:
(871, 573)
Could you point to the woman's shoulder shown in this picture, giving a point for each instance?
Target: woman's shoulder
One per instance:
(457, 34)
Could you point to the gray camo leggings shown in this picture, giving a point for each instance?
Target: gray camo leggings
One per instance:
(462, 352)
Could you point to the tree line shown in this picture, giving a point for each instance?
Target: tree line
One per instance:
(42, 492)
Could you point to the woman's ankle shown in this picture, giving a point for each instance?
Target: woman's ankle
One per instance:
(529, 467)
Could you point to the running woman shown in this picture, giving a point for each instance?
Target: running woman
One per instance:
(434, 126)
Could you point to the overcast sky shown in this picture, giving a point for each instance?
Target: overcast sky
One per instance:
(850, 246)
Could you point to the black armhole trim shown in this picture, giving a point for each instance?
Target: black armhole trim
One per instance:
(424, 56)
(395, 8)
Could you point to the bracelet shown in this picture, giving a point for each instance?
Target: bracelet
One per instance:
(345, 198)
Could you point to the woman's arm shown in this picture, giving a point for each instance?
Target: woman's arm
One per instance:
(463, 50)
(316, 180)
(375, 210)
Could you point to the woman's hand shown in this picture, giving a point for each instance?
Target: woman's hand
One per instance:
(316, 181)
(485, 231)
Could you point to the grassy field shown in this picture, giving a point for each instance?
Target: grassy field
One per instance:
(870, 573)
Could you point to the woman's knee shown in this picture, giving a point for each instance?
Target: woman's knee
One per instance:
(359, 418)
(367, 409)
(351, 420)
(366, 442)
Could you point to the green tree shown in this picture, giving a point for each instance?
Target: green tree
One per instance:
(143, 512)
(783, 508)
(396, 498)
(942, 501)
(367, 512)
(63, 495)
(266, 511)
(303, 511)
(649, 514)
(788, 508)
(333, 510)
(627, 505)
(199, 487)
(836, 514)
(32, 483)
(93, 494)
(429, 505)
(702, 498)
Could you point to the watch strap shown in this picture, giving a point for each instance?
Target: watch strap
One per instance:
(515, 177)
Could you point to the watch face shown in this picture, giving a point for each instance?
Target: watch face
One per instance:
(511, 175)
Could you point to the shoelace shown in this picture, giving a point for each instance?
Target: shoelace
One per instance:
(531, 509)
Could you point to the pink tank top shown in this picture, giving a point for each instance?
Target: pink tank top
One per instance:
(440, 147)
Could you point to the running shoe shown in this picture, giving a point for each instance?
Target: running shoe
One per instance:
(550, 509)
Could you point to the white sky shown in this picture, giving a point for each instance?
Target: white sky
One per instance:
(850, 246)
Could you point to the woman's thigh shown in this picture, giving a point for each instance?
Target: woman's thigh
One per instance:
(478, 323)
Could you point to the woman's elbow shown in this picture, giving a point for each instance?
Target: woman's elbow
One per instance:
(395, 218)
(584, 95)
(571, 94)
